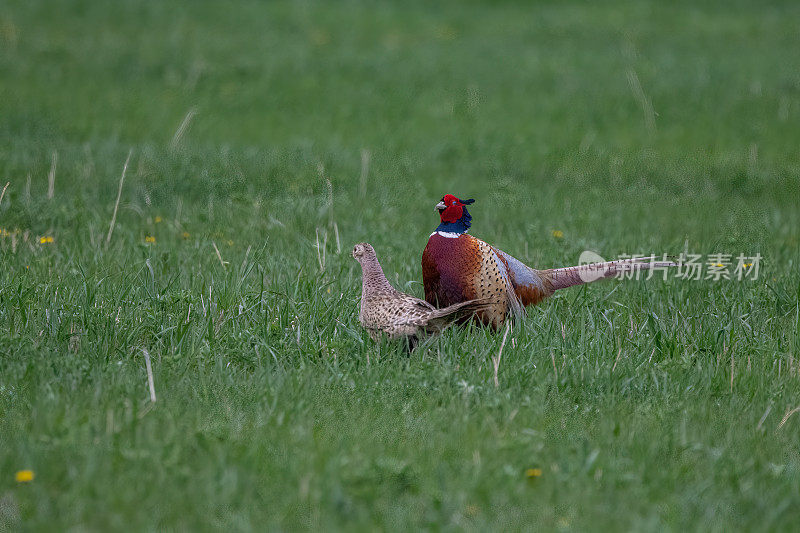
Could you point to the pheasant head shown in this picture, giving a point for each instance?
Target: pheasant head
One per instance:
(363, 251)
(372, 276)
(453, 214)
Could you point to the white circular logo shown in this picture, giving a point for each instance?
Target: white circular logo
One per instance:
(592, 266)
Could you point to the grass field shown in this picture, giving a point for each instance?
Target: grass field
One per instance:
(267, 138)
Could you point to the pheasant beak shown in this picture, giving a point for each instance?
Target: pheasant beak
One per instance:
(440, 207)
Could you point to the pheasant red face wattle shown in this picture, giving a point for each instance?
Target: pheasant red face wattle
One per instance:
(451, 209)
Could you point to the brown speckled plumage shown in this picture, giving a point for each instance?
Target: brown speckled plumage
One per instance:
(385, 310)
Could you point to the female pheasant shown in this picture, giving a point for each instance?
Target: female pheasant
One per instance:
(457, 267)
(384, 309)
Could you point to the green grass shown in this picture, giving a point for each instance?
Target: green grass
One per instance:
(647, 405)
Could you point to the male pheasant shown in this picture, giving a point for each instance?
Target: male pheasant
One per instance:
(457, 267)
(384, 309)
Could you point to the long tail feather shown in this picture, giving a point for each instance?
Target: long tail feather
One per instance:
(561, 278)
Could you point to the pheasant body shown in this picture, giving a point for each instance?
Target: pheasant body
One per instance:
(386, 311)
(457, 267)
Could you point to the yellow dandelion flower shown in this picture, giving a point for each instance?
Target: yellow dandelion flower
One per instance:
(158, 220)
(150, 239)
(532, 473)
(558, 234)
(185, 234)
(24, 476)
(748, 265)
(719, 265)
(45, 240)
